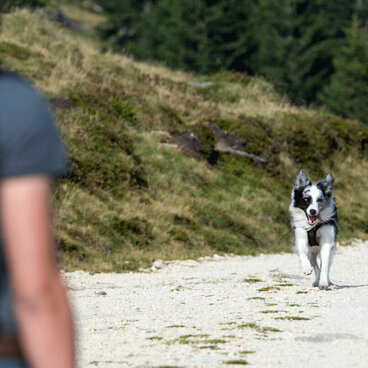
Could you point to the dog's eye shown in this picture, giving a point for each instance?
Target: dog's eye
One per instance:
(319, 200)
(307, 199)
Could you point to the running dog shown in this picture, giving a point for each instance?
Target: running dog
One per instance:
(315, 224)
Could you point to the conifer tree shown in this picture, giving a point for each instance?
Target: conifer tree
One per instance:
(123, 24)
(270, 23)
(231, 39)
(201, 35)
(175, 32)
(347, 94)
(317, 34)
(12, 4)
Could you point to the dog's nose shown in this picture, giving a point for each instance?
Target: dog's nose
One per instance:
(313, 212)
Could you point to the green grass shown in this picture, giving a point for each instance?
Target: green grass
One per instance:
(256, 298)
(252, 280)
(236, 362)
(293, 318)
(129, 200)
(284, 284)
(176, 326)
(269, 311)
(269, 288)
(255, 327)
(197, 339)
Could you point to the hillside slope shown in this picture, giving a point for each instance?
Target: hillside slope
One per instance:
(173, 165)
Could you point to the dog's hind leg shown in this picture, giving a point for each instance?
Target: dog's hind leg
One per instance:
(327, 241)
(317, 272)
(301, 244)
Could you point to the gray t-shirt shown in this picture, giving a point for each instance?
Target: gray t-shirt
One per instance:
(29, 144)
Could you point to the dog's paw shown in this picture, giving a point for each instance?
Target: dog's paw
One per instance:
(323, 287)
(306, 266)
(315, 284)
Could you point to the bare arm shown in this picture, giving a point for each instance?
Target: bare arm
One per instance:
(40, 302)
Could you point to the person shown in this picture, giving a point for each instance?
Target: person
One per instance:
(36, 325)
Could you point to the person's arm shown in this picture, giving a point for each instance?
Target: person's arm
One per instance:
(40, 303)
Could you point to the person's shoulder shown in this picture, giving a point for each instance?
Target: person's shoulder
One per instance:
(16, 90)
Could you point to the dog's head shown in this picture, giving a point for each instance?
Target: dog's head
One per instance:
(312, 198)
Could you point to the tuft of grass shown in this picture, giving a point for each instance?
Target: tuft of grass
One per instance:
(271, 329)
(211, 347)
(175, 326)
(302, 292)
(13, 50)
(270, 311)
(269, 288)
(254, 326)
(236, 362)
(214, 341)
(252, 280)
(284, 284)
(196, 339)
(293, 318)
(154, 338)
(256, 298)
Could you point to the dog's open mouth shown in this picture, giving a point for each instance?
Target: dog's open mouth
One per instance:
(312, 219)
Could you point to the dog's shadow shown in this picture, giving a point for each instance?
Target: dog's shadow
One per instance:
(338, 287)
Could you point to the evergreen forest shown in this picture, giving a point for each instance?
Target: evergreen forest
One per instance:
(314, 52)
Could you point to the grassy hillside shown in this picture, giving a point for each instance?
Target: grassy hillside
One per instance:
(152, 176)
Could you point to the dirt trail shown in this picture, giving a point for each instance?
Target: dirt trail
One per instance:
(223, 312)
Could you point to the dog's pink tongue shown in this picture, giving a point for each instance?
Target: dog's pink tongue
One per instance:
(310, 221)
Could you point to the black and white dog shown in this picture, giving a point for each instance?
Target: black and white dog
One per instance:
(314, 221)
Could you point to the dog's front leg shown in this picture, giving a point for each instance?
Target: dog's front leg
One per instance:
(301, 243)
(327, 241)
(317, 271)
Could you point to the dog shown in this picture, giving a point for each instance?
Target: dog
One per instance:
(315, 224)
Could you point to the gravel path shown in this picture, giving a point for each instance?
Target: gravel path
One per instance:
(224, 312)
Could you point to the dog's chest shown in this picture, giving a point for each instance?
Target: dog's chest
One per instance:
(312, 236)
(299, 219)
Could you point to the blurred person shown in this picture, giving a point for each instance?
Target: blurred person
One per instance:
(36, 326)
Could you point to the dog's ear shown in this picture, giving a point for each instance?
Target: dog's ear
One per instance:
(326, 185)
(329, 180)
(302, 180)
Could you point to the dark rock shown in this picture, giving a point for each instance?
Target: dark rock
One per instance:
(197, 146)
(188, 142)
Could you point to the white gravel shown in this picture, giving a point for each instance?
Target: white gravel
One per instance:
(205, 314)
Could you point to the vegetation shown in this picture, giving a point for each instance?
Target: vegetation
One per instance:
(294, 44)
(136, 193)
(347, 93)
(13, 4)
